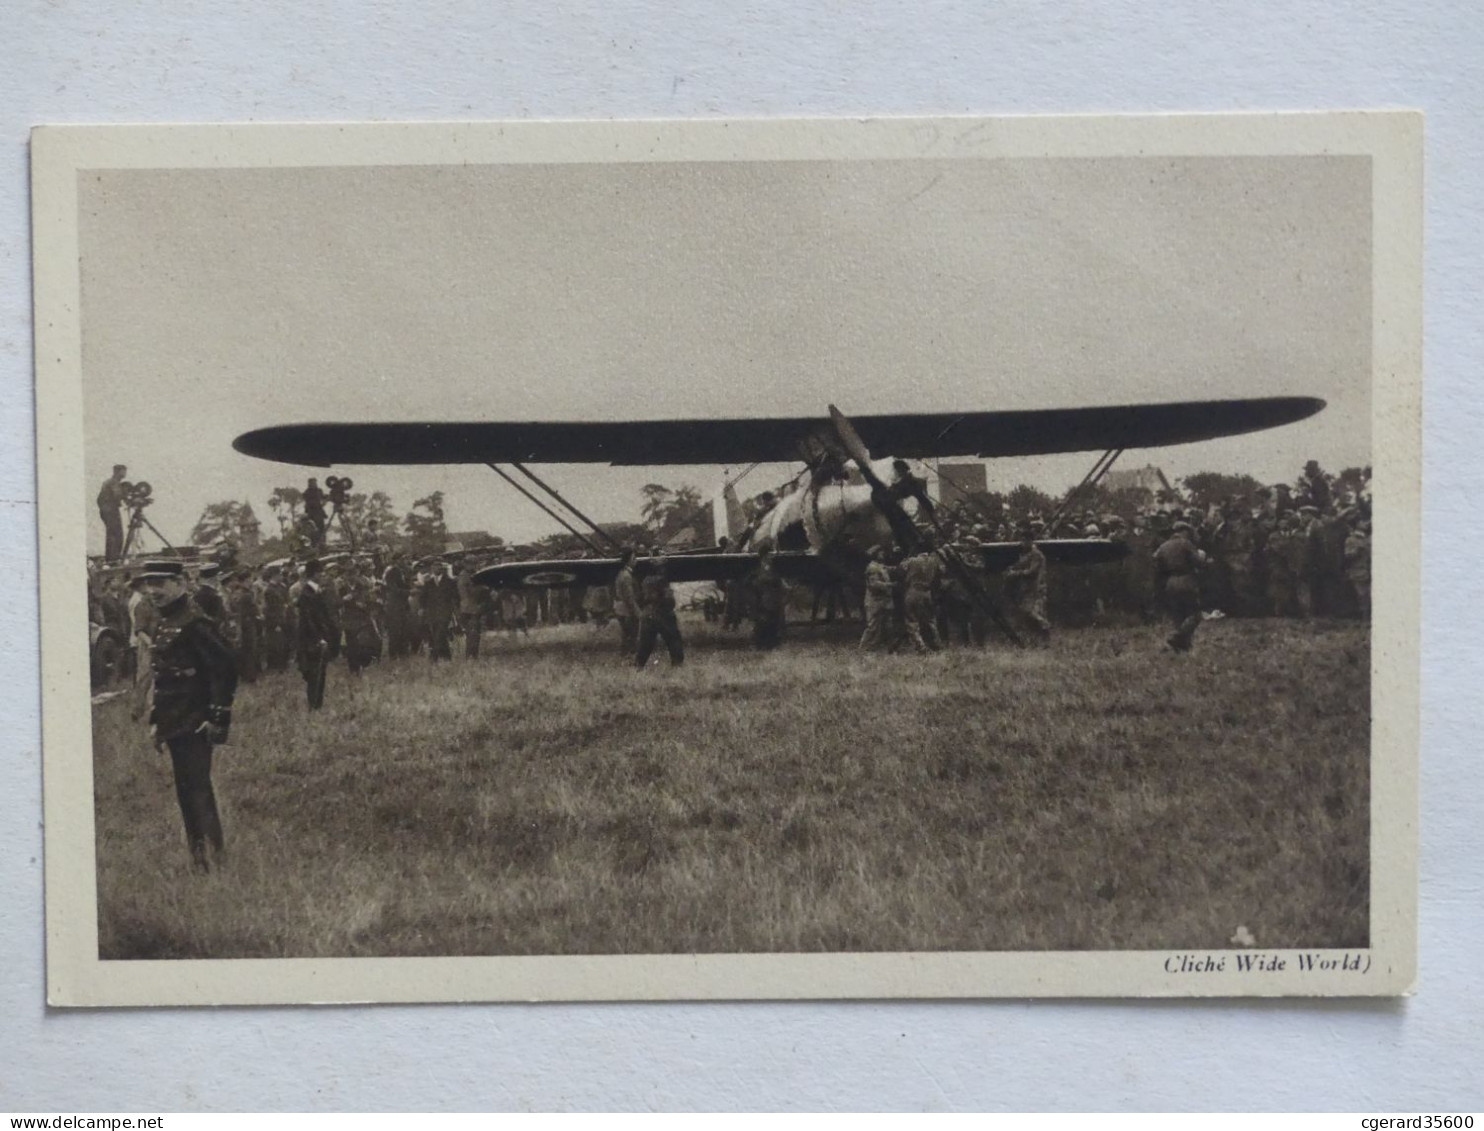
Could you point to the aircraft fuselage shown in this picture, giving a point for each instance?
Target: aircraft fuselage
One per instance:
(836, 520)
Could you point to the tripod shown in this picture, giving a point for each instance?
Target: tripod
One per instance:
(136, 520)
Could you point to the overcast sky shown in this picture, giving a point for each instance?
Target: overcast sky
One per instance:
(216, 301)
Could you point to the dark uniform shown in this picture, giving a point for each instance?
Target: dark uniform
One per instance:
(657, 618)
(208, 599)
(768, 604)
(1285, 556)
(195, 678)
(1178, 563)
(247, 622)
(398, 611)
(440, 600)
(314, 511)
(358, 620)
(277, 625)
(110, 510)
(319, 640)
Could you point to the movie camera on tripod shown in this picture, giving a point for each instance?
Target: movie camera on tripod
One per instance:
(137, 496)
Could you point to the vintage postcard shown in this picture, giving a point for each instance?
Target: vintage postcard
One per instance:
(730, 559)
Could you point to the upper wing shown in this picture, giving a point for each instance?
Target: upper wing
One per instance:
(562, 574)
(655, 442)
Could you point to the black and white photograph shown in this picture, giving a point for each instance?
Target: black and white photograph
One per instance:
(895, 558)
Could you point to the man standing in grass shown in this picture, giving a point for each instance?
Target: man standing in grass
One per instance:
(626, 604)
(1026, 582)
(319, 635)
(657, 615)
(471, 611)
(440, 594)
(397, 587)
(1178, 564)
(768, 601)
(195, 678)
(880, 602)
(921, 578)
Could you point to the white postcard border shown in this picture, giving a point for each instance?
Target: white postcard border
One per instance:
(76, 976)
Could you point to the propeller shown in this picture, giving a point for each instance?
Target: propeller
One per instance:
(902, 527)
(905, 531)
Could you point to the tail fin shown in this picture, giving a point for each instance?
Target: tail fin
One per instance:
(729, 517)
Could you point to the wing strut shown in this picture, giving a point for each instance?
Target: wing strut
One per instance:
(1090, 480)
(586, 541)
(552, 491)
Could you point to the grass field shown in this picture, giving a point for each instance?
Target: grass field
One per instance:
(1098, 794)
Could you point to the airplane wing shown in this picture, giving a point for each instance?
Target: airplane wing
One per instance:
(563, 574)
(799, 565)
(781, 439)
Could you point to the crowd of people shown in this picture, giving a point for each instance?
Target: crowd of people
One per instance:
(1251, 558)
(194, 630)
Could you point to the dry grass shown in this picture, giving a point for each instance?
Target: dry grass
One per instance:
(546, 800)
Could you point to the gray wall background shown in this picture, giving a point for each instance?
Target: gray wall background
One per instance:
(323, 60)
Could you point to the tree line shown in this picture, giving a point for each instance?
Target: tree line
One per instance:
(665, 513)
(679, 516)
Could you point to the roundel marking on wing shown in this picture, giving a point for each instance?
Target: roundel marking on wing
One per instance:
(548, 577)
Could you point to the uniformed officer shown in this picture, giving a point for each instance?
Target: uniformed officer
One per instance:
(247, 624)
(1026, 583)
(657, 614)
(626, 604)
(195, 678)
(1178, 563)
(768, 602)
(319, 635)
(958, 611)
(880, 602)
(922, 575)
(277, 624)
(208, 596)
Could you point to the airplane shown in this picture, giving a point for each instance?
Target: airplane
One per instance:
(821, 533)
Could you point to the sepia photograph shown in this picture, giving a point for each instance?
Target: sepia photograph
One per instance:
(887, 558)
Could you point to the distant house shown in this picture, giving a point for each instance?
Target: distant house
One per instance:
(1147, 478)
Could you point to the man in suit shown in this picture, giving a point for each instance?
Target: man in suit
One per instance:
(319, 635)
(440, 595)
(471, 611)
(397, 586)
